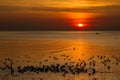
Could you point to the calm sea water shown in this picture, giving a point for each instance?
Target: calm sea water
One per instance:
(92, 55)
(60, 34)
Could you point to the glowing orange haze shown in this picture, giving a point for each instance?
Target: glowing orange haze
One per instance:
(80, 20)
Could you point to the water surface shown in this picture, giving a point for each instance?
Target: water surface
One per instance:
(100, 50)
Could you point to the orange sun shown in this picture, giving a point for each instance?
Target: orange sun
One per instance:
(80, 25)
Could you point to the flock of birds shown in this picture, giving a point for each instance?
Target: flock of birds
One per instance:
(68, 67)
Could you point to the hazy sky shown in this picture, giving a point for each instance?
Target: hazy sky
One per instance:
(59, 14)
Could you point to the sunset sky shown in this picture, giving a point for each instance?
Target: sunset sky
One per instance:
(59, 14)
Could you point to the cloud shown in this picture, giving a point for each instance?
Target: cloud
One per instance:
(90, 9)
(10, 8)
(108, 8)
(34, 8)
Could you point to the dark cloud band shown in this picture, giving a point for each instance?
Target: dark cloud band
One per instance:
(93, 9)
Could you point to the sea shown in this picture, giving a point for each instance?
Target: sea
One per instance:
(59, 55)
